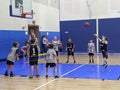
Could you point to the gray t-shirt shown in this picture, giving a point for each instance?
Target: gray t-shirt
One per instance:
(91, 48)
(50, 56)
(55, 44)
(12, 54)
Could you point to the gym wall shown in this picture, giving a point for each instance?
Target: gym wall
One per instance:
(78, 32)
(109, 27)
(73, 14)
(46, 17)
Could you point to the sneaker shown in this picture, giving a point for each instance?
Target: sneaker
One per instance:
(6, 74)
(67, 61)
(74, 61)
(11, 74)
(46, 76)
(37, 76)
(103, 65)
(56, 76)
(106, 65)
(30, 77)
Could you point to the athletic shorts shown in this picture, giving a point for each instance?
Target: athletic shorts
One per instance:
(105, 54)
(50, 64)
(91, 54)
(33, 62)
(70, 53)
(10, 62)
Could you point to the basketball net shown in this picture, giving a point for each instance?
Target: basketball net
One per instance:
(27, 14)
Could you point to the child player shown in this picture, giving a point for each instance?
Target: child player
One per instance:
(24, 49)
(91, 51)
(12, 56)
(70, 50)
(51, 59)
(55, 43)
(33, 51)
(103, 47)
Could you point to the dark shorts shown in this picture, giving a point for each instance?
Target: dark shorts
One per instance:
(10, 62)
(50, 64)
(91, 54)
(56, 53)
(33, 62)
(70, 53)
(105, 54)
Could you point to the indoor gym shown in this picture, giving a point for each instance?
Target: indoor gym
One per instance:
(64, 19)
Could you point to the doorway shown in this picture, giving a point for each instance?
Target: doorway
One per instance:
(34, 29)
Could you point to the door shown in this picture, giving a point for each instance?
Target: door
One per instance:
(34, 29)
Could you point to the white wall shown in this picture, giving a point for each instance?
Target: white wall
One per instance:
(46, 17)
(7, 22)
(78, 9)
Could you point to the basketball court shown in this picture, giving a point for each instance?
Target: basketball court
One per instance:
(72, 76)
(81, 20)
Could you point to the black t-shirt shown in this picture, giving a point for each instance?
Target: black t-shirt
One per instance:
(33, 52)
(103, 46)
(70, 46)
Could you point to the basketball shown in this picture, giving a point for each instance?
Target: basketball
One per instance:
(86, 24)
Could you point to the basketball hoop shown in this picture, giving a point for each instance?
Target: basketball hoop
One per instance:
(27, 14)
(23, 15)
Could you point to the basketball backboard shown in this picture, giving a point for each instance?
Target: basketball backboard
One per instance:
(20, 7)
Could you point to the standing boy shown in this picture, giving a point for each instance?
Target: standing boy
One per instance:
(103, 47)
(55, 43)
(33, 51)
(12, 56)
(91, 51)
(70, 50)
(51, 58)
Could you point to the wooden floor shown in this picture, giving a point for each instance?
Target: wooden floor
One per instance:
(23, 83)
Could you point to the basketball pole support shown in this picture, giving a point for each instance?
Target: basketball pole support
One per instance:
(97, 28)
(97, 32)
(97, 21)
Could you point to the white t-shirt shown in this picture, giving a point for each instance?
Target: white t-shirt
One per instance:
(50, 56)
(55, 44)
(45, 40)
(91, 48)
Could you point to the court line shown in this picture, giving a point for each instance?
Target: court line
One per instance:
(59, 77)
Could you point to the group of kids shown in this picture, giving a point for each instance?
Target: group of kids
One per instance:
(51, 56)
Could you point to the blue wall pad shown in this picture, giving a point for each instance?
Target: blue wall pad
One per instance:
(78, 32)
(111, 29)
(75, 29)
(50, 36)
(7, 37)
